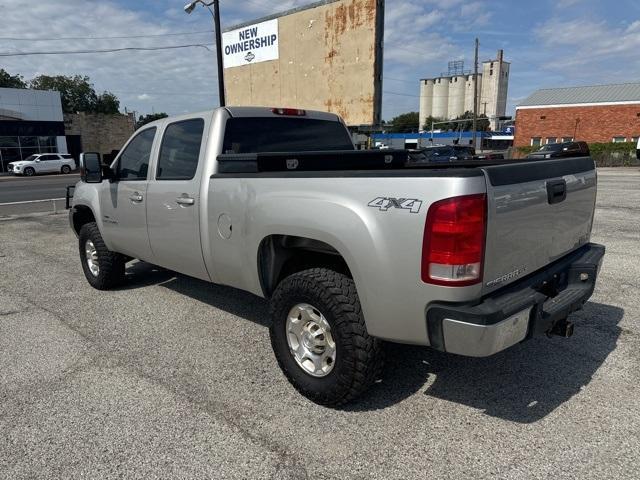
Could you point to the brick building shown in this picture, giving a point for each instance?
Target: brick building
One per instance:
(600, 113)
(97, 132)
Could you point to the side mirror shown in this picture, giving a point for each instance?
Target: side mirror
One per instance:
(90, 167)
(37, 159)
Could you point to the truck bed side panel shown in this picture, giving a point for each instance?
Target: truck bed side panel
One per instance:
(382, 247)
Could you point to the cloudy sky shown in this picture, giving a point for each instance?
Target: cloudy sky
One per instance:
(549, 43)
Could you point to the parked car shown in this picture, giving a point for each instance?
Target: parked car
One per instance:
(638, 149)
(562, 150)
(489, 156)
(350, 247)
(441, 154)
(43, 163)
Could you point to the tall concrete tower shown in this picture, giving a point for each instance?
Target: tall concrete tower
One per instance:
(451, 95)
(426, 100)
(495, 83)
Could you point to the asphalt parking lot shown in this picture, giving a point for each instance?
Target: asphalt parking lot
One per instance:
(173, 377)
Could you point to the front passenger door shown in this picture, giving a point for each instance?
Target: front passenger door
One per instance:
(124, 202)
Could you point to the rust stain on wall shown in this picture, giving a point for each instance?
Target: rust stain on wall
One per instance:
(327, 62)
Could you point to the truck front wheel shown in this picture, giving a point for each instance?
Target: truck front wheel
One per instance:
(320, 339)
(103, 268)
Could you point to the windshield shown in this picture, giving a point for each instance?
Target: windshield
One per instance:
(31, 158)
(287, 134)
(551, 147)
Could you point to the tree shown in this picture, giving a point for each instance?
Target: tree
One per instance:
(107, 102)
(429, 120)
(77, 94)
(405, 123)
(482, 124)
(11, 81)
(144, 119)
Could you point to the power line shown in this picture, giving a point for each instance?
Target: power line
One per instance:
(38, 39)
(104, 50)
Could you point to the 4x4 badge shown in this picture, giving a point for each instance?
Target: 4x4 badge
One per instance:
(385, 203)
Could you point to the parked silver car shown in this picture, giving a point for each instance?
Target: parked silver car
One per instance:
(43, 163)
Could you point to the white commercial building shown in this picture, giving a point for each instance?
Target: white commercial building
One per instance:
(450, 96)
(31, 122)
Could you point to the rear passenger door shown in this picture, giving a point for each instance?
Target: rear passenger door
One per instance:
(173, 196)
(49, 163)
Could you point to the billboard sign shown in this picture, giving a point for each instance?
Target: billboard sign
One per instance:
(251, 44)
(323, 56)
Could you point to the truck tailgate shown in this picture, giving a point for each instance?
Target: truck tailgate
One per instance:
(538, 211)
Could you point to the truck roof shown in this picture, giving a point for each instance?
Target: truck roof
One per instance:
(236, 111)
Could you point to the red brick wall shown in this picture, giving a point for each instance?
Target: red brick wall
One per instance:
(595, 124)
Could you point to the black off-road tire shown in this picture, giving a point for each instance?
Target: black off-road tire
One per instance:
(65, 169)
(29, 172)
(358, 361)
(111, 264)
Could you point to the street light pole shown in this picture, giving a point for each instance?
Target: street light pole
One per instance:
(216, 21)
(218, 35)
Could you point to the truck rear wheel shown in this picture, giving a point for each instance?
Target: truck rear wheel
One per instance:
(103, 268)
(320, 339)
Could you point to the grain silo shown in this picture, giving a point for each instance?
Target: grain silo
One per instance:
(440, 98)
(455, 105)
(426, 100)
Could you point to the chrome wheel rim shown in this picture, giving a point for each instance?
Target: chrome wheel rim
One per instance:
(310, 340)
(91, 254)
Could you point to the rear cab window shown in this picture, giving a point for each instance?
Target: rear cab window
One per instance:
(268, 134)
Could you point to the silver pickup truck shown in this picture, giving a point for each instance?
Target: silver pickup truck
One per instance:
(350, 247)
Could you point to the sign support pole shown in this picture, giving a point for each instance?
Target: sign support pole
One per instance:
(216, 21)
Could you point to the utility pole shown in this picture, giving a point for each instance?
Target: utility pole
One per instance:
(475, 93)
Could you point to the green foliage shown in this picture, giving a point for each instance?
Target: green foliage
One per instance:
(11, 81)
(404, 123)
(429, 120)
(107, 102)
(77, 94)
(144, 119)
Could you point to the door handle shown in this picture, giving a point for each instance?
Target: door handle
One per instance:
(185, 201)
(136, 197)
(556, 191)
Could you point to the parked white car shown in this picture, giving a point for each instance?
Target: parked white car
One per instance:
(43, 163)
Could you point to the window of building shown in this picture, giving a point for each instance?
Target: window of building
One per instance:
(552, 140)
(13, 149)
(635, 139)
(180, 150)
(567, 139)
(536, 141)
(619, 139)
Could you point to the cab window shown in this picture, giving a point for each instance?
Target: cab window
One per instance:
(133, 163)
(180, 150)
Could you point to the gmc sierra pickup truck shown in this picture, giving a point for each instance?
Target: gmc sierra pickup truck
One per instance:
(350, 247)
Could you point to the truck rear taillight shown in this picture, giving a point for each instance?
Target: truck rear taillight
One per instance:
(453, 242)
(295, 112)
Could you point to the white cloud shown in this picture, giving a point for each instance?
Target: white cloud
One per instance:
(144, 96)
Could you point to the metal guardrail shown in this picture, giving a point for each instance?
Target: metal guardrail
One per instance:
(27, 202)
(67, 200)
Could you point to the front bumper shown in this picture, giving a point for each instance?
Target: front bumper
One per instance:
(529, 307)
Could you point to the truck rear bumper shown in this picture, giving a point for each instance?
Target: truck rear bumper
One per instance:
(529, 307)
